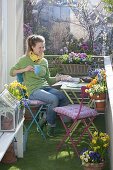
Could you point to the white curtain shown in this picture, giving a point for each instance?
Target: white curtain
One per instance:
(11, 37)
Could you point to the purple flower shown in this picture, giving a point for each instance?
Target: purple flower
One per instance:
(61, 51)
(85, 46)
(65, 49)
(83, 55)
(95, 156)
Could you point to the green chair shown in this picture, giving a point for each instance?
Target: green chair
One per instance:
(42, 107)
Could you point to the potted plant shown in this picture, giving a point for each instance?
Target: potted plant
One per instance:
(18, 90)
(97, 90)
(75, 63)
(7, 121)
(93, 158)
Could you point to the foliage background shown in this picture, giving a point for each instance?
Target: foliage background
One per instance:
(57, 31)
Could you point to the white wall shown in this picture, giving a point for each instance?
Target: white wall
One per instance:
(109, 109)
(11, 37)
(0, 43)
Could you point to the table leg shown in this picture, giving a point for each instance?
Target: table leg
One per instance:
(74, 94)
(71, 101)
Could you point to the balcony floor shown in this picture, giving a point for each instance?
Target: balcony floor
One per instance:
(41, 155)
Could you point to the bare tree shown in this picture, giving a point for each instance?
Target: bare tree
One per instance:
(86, 18)
(58, 32)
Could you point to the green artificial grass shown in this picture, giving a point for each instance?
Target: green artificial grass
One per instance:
(42, 155)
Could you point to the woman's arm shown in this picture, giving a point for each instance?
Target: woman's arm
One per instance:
(14, 72)
(21, 66)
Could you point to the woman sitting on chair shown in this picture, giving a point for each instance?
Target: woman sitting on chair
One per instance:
(37, 79)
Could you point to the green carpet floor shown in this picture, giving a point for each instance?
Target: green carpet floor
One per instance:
(42, 155)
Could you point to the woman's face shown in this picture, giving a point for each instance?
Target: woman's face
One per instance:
(39, 48)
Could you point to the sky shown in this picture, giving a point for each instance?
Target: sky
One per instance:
(94, 2)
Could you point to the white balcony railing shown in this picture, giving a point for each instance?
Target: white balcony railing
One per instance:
(109, 109)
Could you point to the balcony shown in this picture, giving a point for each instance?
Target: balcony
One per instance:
(39, 155)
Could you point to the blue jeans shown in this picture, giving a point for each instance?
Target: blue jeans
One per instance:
(51, 96)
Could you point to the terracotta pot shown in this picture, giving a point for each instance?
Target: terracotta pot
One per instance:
(94, 166)
(100, 101)
(99, 96)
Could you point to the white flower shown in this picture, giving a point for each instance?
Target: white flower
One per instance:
(86, 159)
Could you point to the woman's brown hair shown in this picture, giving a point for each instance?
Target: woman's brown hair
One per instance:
(32, 40)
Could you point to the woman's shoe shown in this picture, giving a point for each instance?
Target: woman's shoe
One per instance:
(42, 123)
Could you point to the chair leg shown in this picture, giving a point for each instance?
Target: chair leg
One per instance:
(70, 131)
(86, 129)
(34, 120)
(68, 136)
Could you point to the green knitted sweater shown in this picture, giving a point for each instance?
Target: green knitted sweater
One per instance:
(31, 80)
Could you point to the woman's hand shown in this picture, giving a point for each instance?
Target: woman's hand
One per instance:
(63, 77)
(29, 68)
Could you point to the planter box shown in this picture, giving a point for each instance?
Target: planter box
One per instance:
(75, 69)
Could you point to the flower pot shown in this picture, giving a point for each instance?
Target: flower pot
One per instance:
(75, 69)
(100, 101)
(94, 166)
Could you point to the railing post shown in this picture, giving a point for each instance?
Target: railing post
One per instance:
(109, 110)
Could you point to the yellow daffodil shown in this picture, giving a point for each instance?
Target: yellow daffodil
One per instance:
(95, 133)
(93, 141)
(18, 90)
(98, 147)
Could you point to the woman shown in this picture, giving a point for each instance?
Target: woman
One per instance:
(38, 84)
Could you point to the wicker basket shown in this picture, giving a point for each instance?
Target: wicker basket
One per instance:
(75, 69)
(94, 166)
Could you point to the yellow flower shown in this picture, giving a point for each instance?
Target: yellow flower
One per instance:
(95, 133)
(101, 134)
(81, 157)
(103, 139)
(18, 90)
(98, 147)
(95, 149)
(99, 144)
(93, 141)
(105, 145)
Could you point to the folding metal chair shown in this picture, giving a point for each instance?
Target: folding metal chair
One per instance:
(81, 115)
(39, 105)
